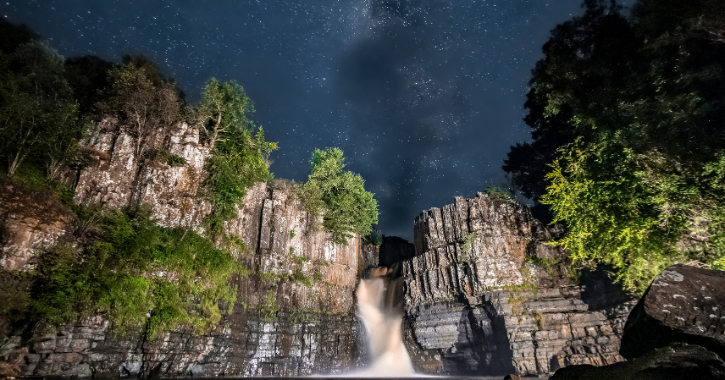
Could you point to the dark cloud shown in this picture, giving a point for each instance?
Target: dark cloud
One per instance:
(424, 96)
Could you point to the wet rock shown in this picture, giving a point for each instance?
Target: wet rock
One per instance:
(677, 361)
(683, 304)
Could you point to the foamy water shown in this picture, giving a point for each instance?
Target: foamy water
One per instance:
(385, 334)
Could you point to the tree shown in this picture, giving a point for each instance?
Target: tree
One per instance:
(340, 195)
(582, 57)
(239, 155)
(59, 141)
(87, 76)
(143, 99)
(35, 105)
(223, 107)
(639, 184)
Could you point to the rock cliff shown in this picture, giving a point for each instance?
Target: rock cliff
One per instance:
(277, 328)
(484, 295)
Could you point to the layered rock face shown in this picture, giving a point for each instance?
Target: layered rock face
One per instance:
(676, 331)
(277, 328)
(484, 295)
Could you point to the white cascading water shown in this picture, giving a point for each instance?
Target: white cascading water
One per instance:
(383, 320)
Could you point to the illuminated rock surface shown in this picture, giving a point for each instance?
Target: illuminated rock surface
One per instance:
(505, 305)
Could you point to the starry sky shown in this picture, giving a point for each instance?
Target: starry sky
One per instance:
(423, 96)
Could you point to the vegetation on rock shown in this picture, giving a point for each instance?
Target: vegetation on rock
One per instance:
(136, 272)
(239, 155)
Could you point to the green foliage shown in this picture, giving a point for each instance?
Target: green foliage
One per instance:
(339, 195)
(170, 159)
(269, 308)
(239, 156)
(299, 277)
(468, 241)
(549, 265)
(14, 296)
(138, 273)
(628, 116)
(292, 234)
(87, 77)
(38, 117)
(33, 178)
(142, 99)
(499, 194)
(299, 259)
(373, 238)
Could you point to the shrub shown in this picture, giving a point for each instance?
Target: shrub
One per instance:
(468, 240)
(170, 159)
(138, 273)
(499, 194)
(373, 238)
(340, 195)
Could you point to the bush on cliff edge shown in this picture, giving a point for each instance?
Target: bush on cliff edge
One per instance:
(340, 195)
(138, 273)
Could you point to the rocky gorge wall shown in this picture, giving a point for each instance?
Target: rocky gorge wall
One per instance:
(504, 302)
(277, 328)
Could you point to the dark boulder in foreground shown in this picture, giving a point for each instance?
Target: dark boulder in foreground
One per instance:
(677, 361)
(683, 304)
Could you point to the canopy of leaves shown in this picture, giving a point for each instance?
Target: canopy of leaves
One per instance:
(143, 100)
(339, 195)
(38, 116)
(628, 116)
(239, 155)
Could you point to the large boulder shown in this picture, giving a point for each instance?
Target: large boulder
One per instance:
(683, 304)
(678, 361)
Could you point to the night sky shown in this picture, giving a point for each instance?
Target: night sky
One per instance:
(423, 96)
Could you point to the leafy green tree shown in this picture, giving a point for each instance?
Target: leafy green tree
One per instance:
(87, 76)
(239, 155)
(143, 100)
(35, 107)
(223, 108)
(639, 181)
(340, 195)
(14, 36)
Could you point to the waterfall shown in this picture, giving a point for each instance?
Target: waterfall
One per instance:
(380, 302)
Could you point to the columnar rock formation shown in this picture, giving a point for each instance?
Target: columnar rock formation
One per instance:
(278, 327)
(485, 296)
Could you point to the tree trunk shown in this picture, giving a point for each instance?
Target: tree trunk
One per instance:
(14, 165)
(216, 132)
(53, 169)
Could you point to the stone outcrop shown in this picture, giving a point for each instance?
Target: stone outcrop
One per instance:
(674, 361)
(278, 327)
(683, 304)
(676, 331)
(486, 296)
(395, 250)
(29, 222)
(117, 178)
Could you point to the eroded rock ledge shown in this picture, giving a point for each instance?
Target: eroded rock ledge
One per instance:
(277, 328)
(506, 304)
